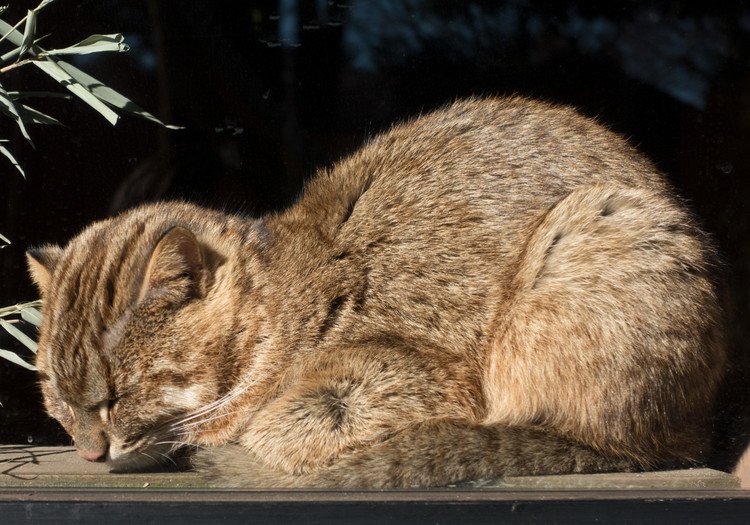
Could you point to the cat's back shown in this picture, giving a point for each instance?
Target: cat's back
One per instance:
(422, 229)
(496, 144)
(479, 165)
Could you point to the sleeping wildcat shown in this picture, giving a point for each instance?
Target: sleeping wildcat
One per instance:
(502, 287)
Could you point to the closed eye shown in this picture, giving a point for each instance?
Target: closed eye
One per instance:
(105, 409)
(133, 440)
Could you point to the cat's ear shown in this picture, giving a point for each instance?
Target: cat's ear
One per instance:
(42, 262)
(176, 265)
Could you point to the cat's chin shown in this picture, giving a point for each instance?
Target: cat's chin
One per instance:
(153, 458)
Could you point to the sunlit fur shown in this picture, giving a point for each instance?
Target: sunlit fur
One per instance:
(500, 287)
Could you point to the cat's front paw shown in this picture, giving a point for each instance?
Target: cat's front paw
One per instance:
(158, 457)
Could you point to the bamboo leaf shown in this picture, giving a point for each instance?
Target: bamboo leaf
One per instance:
(13, 358)
(92, 44)
(42, 5)
(32, 315)
(5, 240)
(34, 116)
(16, 308)
(11, 33)
(87, 88)
(18, 95)
(28, 33)
(9, 55)
(30, 114)
(6, 101)
(52, 67)
(109, 95)
(24, 339)
(5, 151)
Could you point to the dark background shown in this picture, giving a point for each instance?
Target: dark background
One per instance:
(269, 90)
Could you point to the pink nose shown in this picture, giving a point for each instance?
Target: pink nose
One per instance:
(92, 455)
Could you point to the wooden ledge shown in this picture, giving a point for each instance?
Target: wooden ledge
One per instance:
(38, 467)
(53, 485)
(60, 467)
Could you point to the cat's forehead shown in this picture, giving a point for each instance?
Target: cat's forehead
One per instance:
(70, 359)
(96, 269)
(91, 290)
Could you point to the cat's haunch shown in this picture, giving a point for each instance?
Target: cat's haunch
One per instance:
(501, 287)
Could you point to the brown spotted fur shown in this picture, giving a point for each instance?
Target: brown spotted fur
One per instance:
(500, 287)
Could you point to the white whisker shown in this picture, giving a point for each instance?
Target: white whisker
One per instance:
(187, 427)
(215, 405)
(168, 458)
(178, 444)
(152, 458)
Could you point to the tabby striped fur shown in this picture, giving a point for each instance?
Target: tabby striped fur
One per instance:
(499, 287)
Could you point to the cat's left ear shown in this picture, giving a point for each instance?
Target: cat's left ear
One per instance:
(176, 266)
(41, 262)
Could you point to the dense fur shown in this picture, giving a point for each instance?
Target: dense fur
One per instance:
(501, 287)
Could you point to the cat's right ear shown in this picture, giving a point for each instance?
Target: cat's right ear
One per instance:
(176, 266)
(42, 262)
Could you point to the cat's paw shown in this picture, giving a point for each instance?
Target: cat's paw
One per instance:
(154, 458)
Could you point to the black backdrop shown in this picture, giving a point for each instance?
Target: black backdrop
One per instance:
(269, 90)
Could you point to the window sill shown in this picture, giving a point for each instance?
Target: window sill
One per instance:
(52, 483)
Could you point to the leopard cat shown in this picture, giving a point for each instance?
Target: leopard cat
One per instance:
(500, 287)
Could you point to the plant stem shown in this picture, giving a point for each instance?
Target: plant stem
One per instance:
(14, 28)
(8, 310)
(38, 8)
(14, 65)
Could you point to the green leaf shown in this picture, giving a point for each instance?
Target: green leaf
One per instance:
(34, 116)
(18, 95)
(84, 86)
(5, 151)
(9, 55)
(93, 44)
(11, 33)
(32, 315)
(6, 101)
(28, 33)
(13, 358)
(30, 114)
(17, 51)
(52, 67)
(109, 95)
(42, 5)
(16, 308)
(24, 339)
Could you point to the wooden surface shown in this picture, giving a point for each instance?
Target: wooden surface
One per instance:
(742, 470)
(26, 466)
(52, 485)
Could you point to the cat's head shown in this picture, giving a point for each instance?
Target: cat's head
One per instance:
(119, 355)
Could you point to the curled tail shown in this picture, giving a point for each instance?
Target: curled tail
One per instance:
(431, 453)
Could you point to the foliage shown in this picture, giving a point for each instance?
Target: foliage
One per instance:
(11, 318)
(25, 51)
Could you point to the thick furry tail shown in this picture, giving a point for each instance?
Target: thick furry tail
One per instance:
(426, 454)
